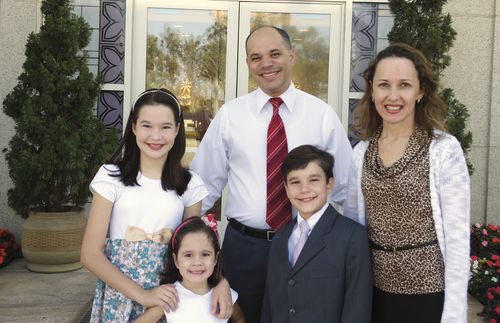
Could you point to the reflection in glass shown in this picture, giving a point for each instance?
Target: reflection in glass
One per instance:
(186, 53)
(310, 34)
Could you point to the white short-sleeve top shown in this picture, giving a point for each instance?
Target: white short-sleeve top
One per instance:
(194, 308)
(146, 206)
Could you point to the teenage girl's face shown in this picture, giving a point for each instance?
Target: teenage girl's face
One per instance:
(196, 261)
(155, 132)
(395, 90)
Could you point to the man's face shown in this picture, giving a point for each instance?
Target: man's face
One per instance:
(269, 61)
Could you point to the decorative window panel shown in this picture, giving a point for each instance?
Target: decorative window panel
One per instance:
(112, 41)
(371, 22)
(110, 109)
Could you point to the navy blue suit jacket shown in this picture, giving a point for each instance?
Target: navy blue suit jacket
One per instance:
(331, 281)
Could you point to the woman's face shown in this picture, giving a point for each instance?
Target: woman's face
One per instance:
(395, 90)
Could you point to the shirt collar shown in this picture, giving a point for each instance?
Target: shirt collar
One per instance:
(288, 98)
(313, 220)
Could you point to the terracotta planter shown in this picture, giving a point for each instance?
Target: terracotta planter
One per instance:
(51, 242)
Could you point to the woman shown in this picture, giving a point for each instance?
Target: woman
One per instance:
(409, 184)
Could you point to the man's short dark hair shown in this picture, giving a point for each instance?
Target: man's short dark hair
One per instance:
(301, 156)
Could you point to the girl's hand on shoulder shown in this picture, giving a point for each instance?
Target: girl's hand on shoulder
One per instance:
(222, 303)
(164, 296)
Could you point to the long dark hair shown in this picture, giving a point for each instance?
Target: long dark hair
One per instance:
(127, 156)
(429, 112)
(191, 225)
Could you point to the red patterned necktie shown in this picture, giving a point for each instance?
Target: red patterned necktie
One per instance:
(279, 210)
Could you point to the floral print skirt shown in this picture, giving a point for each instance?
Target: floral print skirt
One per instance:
(141, 261)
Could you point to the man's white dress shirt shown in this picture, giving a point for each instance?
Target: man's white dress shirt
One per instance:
(233, 150)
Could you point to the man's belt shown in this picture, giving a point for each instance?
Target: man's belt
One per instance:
(256, 233)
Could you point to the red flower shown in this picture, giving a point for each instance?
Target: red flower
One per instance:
(493, 321)
(489, 263)
(490, 296)
(496, 240)
(493, 227)
(497, 290)
(495, 257)
(473, 258)
(497, 309)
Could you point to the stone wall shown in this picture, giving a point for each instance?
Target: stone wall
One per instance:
(474, 76)
(18, 18)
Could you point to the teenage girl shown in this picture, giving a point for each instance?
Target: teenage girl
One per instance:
(138, 197)
(193, 267)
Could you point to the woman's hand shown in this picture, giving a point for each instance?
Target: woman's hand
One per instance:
(164, 296)
(222, 304)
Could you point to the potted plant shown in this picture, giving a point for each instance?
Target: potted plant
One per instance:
(58, 142)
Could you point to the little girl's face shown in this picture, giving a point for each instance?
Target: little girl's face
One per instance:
(195, 260)
(155, 131)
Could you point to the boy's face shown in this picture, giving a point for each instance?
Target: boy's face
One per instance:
(308, 189)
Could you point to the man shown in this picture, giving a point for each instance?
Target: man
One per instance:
(243, 148)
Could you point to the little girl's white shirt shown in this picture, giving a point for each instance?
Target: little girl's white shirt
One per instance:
(194, 308)
(147, 206)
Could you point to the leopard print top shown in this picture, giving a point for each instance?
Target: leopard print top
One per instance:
(399, 213)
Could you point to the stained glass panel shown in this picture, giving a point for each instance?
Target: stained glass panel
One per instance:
(112, 41)
(109, 109)
(371, 22)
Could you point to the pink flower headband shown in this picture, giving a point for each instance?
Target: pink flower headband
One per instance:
(208, 219)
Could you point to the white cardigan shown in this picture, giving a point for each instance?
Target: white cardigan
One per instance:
(450, 200)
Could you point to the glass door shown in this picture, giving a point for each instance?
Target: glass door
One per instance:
(316, 34)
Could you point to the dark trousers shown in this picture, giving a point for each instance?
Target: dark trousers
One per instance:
(244, 264)
(397, 308)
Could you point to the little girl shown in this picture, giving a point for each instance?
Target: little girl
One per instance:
(193, 267)
(138, 197)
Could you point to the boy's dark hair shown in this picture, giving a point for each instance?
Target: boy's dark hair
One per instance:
(127, 156)
(301, 156)
(191, 225)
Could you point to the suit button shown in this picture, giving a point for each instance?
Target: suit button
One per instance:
(291, 311)
(291, 282)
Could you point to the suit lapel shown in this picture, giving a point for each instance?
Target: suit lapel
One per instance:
(315, 243)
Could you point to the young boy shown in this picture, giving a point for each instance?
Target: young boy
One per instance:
(329, 279)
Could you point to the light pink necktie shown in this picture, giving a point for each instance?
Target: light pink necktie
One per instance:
(278, 210)
(304, 233)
